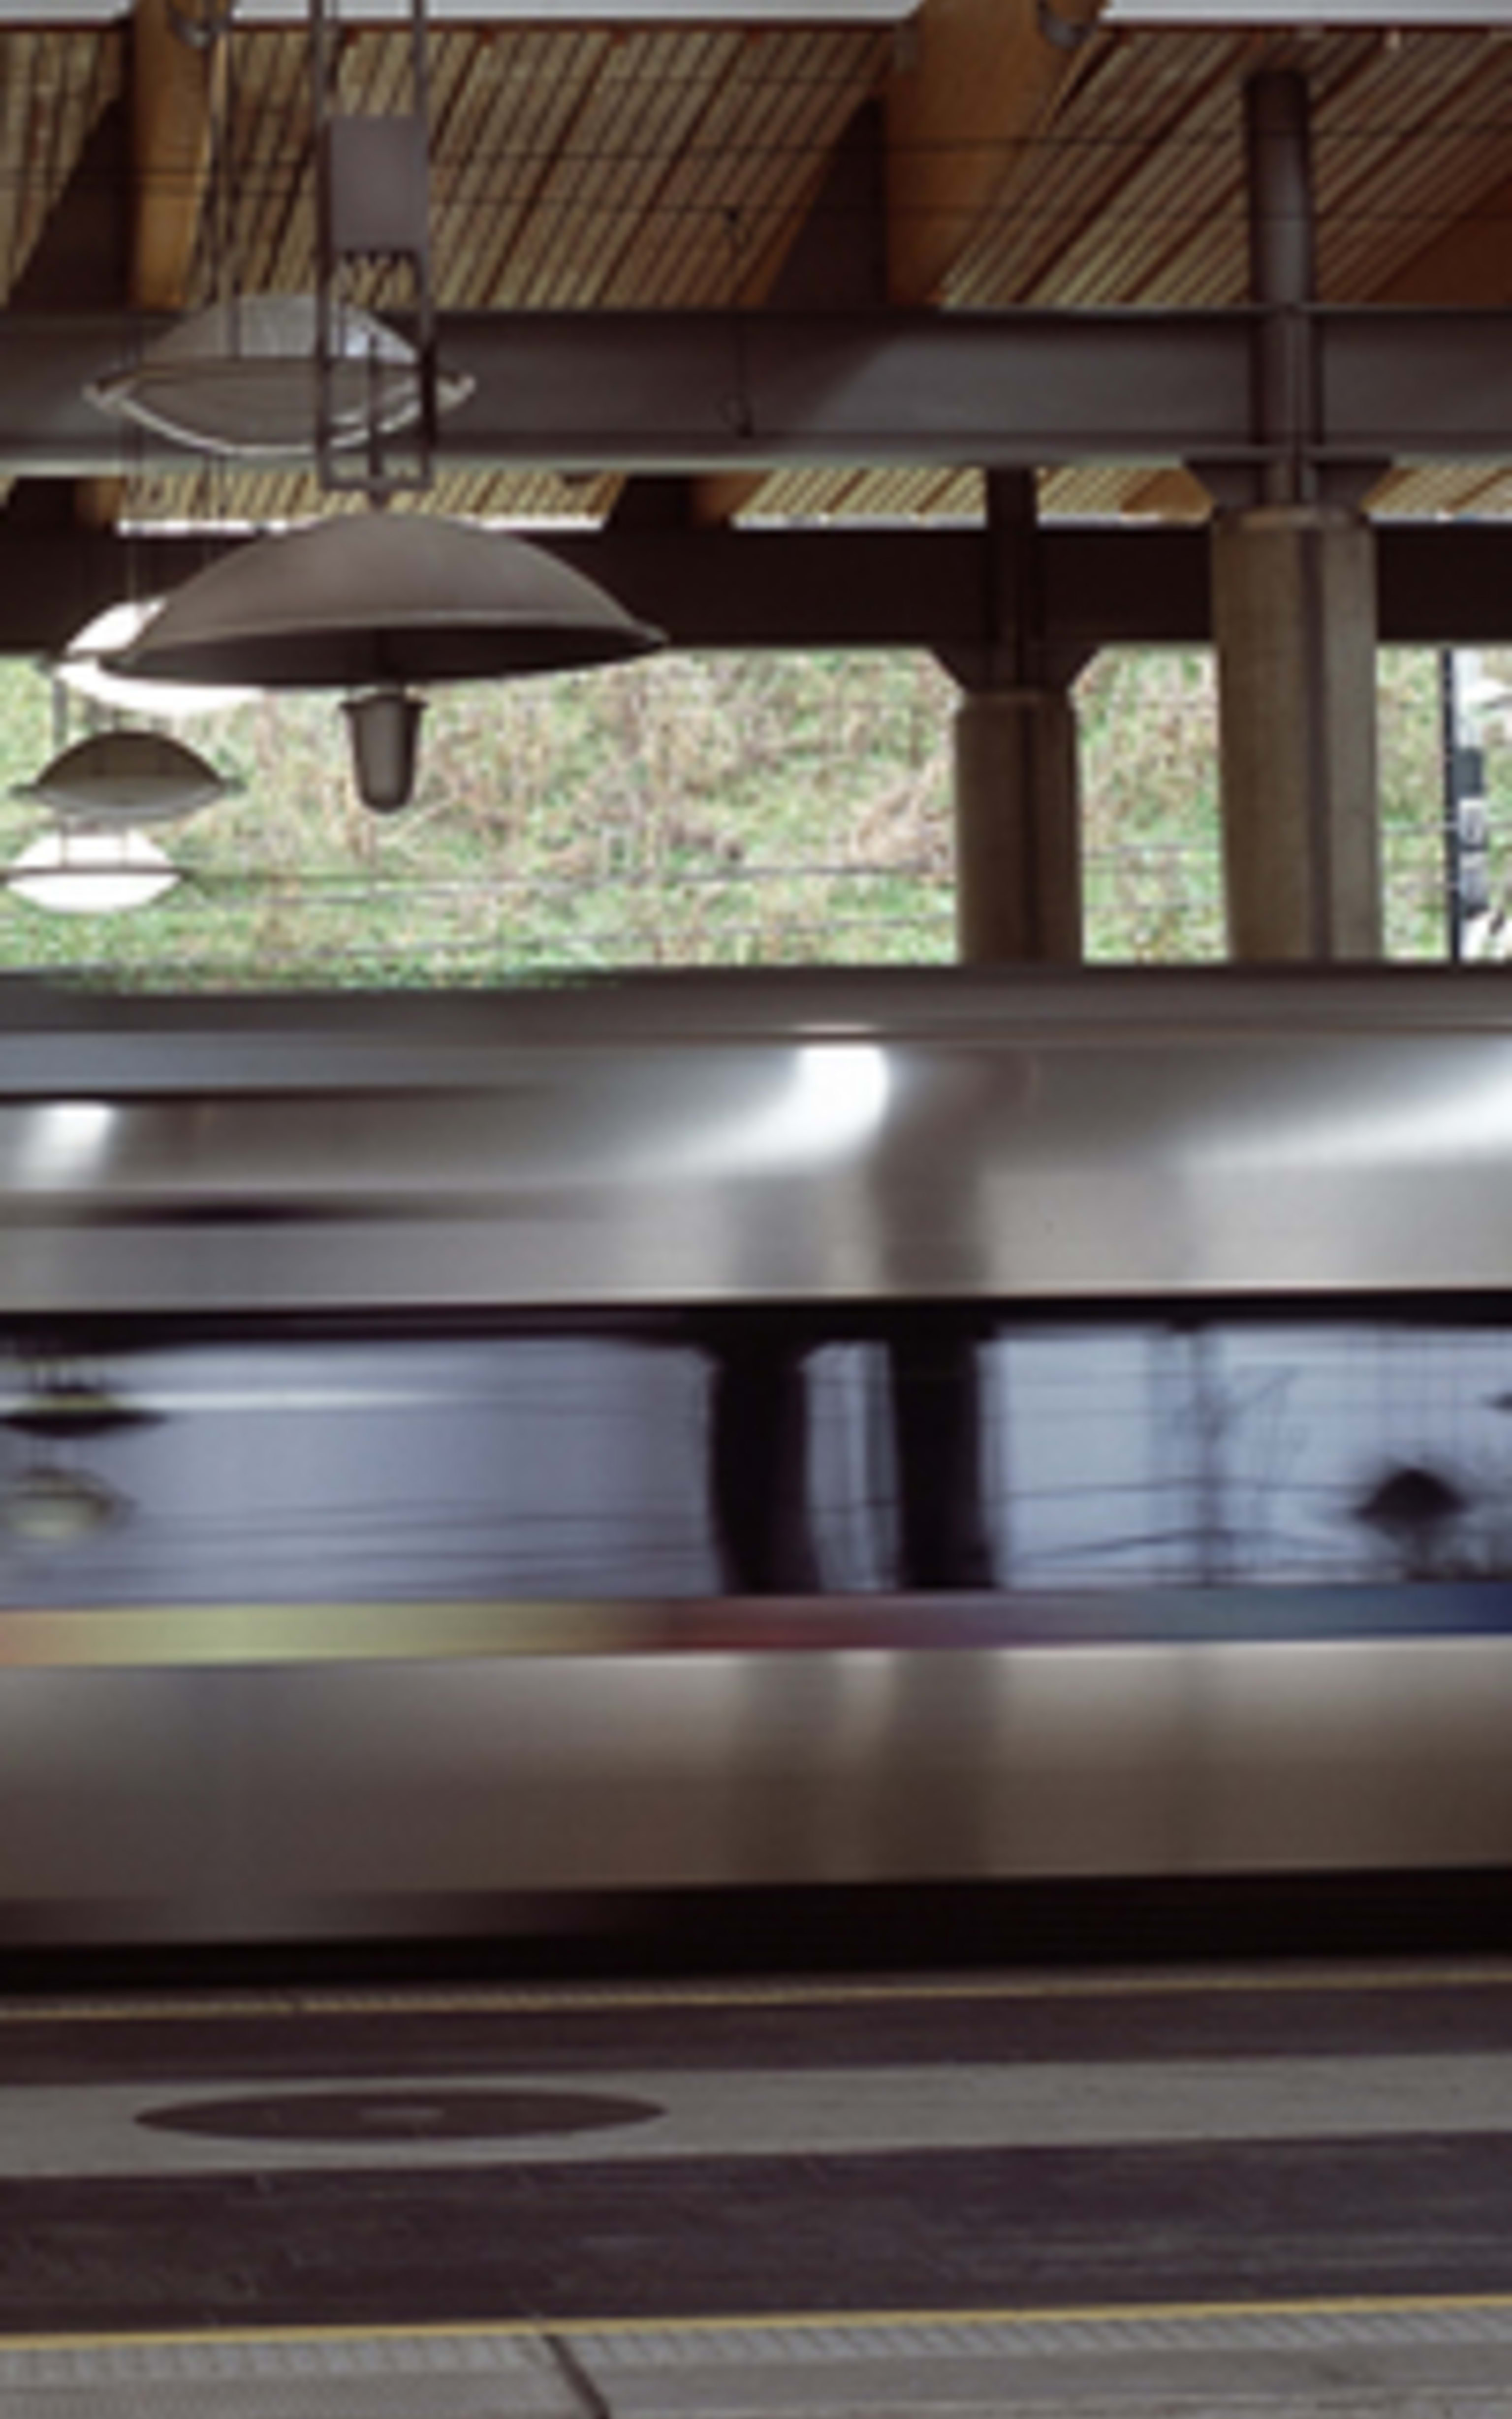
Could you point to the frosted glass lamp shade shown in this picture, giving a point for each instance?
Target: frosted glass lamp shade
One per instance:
(90, 872)
(240, 379)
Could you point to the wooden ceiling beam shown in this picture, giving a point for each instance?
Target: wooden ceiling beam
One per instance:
(1466, 264)
(171, 140)
(979, 79)
(169, 93)
(975, 80)
(835, 260)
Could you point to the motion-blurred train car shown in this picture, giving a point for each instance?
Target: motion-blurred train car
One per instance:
(468, 1460)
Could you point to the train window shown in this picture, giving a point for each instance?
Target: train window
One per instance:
(533, 1466)
(852, 1468)
(1352, 1452)
(1084, 1425)
(1249, 1452)
(860, 1454)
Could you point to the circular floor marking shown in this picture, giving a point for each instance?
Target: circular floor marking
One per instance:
(417, 2115)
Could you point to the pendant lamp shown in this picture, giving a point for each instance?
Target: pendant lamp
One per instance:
(91, 873)
(242, 377)
(80, 668)
(381, 603)
(121, 780)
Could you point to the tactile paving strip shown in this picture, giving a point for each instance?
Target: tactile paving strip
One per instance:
(1110, 2335)
(1452, 2360)
(374, 2376)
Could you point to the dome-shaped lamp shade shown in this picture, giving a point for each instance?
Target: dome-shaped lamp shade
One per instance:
(240, 379)
(379, 601)
(81, 668)
(122, 778)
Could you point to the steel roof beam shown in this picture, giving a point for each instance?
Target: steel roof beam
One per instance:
(1102, 585)
(686, 391)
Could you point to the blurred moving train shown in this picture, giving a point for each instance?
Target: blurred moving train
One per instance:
(467, 1460)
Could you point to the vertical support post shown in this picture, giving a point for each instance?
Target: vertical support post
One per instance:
(1294, 609)
(1467, 891)
(1283, 278)
(373, 207)
(1017, 827)
(1017, 803)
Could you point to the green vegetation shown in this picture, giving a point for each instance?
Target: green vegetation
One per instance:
(699, 809)
(1149, 773)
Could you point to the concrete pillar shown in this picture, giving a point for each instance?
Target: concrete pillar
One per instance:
(1294, 624)
(1017, 826)
(1293, 606)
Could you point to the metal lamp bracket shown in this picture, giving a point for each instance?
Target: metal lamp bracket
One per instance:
(372, 201)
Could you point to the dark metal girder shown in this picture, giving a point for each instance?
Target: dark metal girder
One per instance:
(1101, 585)
(690, 391)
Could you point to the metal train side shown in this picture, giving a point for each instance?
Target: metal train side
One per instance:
(255, 1255)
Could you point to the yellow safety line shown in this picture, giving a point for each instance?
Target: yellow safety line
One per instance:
(590, 1998)
(806, 2321)
(149, 1637)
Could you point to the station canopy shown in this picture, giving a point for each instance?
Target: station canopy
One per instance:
(960, 156)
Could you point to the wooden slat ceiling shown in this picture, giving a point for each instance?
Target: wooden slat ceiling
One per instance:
(572, 167)
(1134, 195)
(55, 88)
(655, 167)
(672, 167)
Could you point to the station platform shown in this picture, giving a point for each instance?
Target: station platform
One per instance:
(1275, 2191)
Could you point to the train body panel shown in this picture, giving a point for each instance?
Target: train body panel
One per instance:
(461, 1458)
(874, 1137)
(292, 1802)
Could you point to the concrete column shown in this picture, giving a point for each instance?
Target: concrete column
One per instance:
(1294, 624)
(1017, 826)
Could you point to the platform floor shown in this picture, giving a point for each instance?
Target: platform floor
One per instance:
(1275, 2192)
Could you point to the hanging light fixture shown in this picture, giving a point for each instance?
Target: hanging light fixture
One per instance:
(118, 779)
(379, 604)
(243, 377)
(101, 791)
(383, 604)
(383, 729)
(81, 668)
(91, 873)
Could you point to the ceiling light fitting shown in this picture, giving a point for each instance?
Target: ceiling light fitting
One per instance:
(379, 604)
(383, 727)
(90, 872)
(81, 668)
(116, 779)
(372, 174)
(248, 378)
